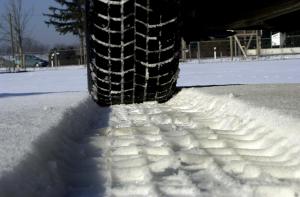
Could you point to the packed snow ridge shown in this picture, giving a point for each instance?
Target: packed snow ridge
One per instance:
(197, 144)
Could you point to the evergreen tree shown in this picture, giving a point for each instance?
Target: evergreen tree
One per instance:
(69, 18)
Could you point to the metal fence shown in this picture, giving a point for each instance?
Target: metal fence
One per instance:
(231, 49)
(244, 49)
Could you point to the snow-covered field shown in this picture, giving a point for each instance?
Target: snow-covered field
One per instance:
(44, 80)
(217, 141)
(255, 72)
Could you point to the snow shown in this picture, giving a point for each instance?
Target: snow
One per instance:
(44, 80)
(241, 72)
(213, 141)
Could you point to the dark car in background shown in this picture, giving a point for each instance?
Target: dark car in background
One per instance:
(33, 61)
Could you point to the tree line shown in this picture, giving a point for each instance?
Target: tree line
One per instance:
(69, 17)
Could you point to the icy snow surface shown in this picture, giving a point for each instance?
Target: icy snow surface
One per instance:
(219, 141)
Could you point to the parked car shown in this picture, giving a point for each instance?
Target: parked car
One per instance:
(33, 61)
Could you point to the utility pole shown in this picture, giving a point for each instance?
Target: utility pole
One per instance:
(12, 39)
(258, 42)
(231, 48)
(183, 49)
(199, 51)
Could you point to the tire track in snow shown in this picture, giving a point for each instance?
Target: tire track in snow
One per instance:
(190, 146)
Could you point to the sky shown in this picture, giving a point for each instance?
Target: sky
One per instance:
(38, 30)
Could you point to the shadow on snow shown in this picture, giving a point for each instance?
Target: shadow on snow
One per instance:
(62, 163)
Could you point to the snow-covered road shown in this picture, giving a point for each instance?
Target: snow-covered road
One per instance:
(218, 141)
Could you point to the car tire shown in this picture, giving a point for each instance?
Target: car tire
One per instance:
(132, 52)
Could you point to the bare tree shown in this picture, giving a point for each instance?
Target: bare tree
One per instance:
(4, 29)
(15, 25)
